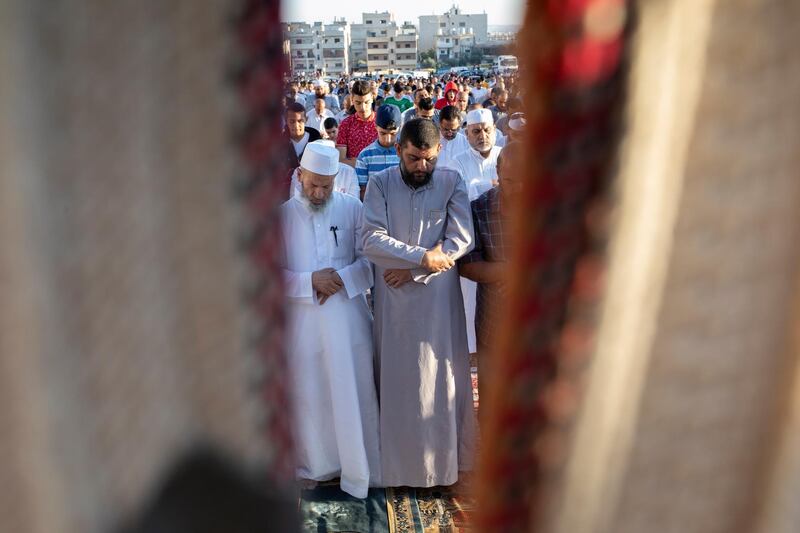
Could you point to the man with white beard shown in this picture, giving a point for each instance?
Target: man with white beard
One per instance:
(478, 167)
(345, 182)
(452, 140)
(330, 329)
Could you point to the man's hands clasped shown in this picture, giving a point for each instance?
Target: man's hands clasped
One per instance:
(326, 283)
(435, 260)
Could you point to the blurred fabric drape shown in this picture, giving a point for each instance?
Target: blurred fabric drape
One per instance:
(123, 334)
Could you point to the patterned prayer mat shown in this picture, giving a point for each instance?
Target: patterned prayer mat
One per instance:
(433, 510)
(326, 509)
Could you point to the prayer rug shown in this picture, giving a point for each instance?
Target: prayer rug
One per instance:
(432, 510)
(327, 509)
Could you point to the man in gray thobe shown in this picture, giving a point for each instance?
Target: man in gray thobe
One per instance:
(417, 222)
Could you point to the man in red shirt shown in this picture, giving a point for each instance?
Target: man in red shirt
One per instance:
(357, 131)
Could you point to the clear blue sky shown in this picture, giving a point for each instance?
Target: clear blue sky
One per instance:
(498, 11)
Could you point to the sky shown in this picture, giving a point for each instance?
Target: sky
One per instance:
(498, 11)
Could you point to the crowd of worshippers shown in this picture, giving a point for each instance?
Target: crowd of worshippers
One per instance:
(395, 239)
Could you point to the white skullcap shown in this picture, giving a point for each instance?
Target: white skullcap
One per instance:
(480, 116)
(517, 123)
(325, 142)
(317, 83)
(320, 159)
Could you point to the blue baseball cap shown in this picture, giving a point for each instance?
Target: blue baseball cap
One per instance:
(388, 117)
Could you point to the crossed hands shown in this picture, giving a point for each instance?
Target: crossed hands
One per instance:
(434, 260)
(326, 283)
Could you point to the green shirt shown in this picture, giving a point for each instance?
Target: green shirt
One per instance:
(403, 103)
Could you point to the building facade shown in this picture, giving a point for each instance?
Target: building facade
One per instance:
(389, 47)
(432, 26)
(335, 47)
(458, 44)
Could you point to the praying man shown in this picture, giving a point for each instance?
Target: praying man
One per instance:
(478, 166)
(417, 222)
(330, 329)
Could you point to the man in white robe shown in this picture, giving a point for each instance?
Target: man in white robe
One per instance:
(330, 327)
(478, 166)
(345, 182)
(453, 142)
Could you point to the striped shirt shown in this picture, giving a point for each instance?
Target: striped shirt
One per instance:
(373, 159)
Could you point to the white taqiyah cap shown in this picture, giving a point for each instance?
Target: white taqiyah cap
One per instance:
(320, 159)
(479, 116)
(325, 142)
(317, 83)
(517, 122)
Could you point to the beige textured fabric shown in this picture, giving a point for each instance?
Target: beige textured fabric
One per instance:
(675, 432)
(121, 329)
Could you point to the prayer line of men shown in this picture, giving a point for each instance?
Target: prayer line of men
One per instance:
(434, 209)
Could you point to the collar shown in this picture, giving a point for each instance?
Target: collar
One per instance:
(370, 119)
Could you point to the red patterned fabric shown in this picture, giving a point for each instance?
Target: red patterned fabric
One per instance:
(260, 83)
(572, 63)
(357, 133)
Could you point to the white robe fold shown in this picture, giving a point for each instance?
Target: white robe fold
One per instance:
(330, 346)
(478, 173)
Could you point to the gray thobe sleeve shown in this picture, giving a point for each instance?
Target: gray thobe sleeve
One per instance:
(357, 276)
(458, 238)
(379, 247)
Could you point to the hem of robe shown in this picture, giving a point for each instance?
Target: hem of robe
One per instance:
(353, 489)
(431, 482)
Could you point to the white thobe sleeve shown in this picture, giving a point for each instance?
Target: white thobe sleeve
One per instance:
(298, 284)
(379, 247)
(458, 237)
(357, 276)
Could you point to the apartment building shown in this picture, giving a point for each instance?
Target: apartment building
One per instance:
(433, 26)
(334, 42)
(389, 47)
(456, 44)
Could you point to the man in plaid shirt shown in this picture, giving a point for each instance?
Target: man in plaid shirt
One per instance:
(486, 263)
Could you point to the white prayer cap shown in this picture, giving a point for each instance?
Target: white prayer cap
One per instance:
(517, 122)
(480, 116)
(317, 83)
(325, 142)
(320, 159)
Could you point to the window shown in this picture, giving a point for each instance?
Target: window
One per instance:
(339, 65)
(447, 40)
(462, 24)
(383, 22)
(442, 24)
(369, 22)
(298, 41)
(392, 62)
(317, 46)
(383, 32)
(336, 40)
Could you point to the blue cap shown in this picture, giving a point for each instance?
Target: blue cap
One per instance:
(388, 117)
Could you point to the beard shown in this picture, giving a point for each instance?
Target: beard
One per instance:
(416, 179)
(316, 207)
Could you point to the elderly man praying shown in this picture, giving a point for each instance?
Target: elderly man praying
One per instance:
(330, 329)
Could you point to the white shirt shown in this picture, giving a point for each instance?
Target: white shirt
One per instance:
(300, 145)
(479, 94)
(331, 377)
(345, 182)
(450, 149)
(313, 120)
(478, 172)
